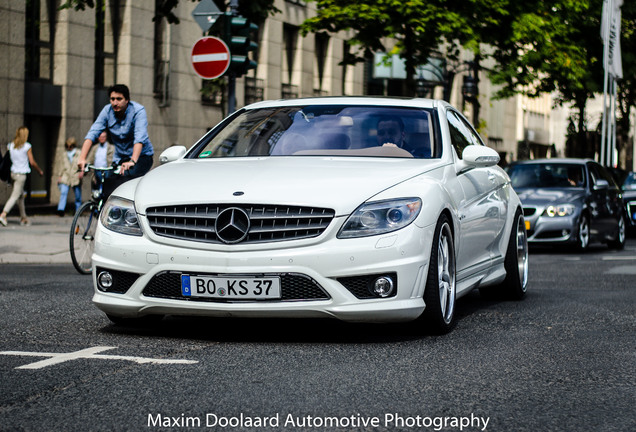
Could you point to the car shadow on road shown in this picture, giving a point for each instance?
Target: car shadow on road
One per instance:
(293, 330)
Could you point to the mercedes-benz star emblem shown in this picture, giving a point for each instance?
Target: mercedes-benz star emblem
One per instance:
(232, 225)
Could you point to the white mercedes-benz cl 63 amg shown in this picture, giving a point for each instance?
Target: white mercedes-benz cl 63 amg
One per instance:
(361, 209)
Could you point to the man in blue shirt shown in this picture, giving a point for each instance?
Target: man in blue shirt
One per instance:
(127, 124)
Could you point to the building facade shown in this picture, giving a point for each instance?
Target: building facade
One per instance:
(58, 63)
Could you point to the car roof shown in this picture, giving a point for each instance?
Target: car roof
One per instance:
(553, 160)
(352, 100)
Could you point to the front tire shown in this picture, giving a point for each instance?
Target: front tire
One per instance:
(583, 234)
(621, 235)
(440, 290)
(82, 237)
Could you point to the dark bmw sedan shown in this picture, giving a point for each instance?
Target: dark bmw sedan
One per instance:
(571, 202)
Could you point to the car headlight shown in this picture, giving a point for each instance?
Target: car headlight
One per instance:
(560, 210)
(119, 215)
(381, 217)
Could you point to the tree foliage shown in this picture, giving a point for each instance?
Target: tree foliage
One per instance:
(415, 29)
(254, 10)
(538, 47)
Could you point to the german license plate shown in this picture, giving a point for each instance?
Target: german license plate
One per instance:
(235, 288)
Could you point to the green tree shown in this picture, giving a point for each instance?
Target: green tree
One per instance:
(414, 29)
(544, 47)
(254, 10)
(627, 86)
(548, 47)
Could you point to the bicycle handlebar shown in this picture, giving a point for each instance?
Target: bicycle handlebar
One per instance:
(90, 167)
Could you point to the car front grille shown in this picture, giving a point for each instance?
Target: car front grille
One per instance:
(267, 223)
(294, 287)
(529, 211)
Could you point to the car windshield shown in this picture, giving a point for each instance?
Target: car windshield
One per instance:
(630, 181)
(324, 130)
(547, 175)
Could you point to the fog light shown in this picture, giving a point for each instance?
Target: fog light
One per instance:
(105, 280)
(383, 286)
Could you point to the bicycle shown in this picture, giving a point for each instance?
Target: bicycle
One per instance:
(82, 235)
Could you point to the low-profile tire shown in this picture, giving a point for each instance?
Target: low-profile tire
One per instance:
(621, 235)
(516, 263)
(583, 234)
(440, 290)
(515, 285)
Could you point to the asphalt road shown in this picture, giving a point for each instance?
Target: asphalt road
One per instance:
(563, 359)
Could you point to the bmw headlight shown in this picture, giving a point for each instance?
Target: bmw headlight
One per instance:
(381, 217)
(119, 215)
(560, 210)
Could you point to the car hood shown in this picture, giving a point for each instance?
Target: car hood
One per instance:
(547, 196)
(341, 183)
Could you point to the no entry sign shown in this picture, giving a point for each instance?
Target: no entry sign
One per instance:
(210, 57)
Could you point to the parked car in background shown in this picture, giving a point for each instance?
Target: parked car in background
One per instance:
(627, 181)
(569, 202)
(629, 197)
(361, 209)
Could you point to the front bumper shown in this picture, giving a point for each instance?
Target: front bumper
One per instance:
(544, 229)
(323, 265)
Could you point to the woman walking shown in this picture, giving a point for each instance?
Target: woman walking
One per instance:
(69, 176)
(21, 162)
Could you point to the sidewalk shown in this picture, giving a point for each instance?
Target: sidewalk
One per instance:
(46, 241)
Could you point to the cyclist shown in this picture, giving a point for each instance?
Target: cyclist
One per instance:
(127, 124)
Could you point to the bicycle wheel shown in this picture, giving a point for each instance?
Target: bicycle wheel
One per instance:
(82, 237)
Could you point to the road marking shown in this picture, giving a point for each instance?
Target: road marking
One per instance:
(619, 258)
(88, 353)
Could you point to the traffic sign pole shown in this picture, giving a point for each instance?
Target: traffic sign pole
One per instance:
(231, 81)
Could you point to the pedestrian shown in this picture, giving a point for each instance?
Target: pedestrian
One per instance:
(127, 124)
(101, 155)
(69, 176)
(22, 161)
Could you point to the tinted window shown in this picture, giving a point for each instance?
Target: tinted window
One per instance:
(630, 181)
(548, 175)
(460, 134)
(324, 130)
(597, 172)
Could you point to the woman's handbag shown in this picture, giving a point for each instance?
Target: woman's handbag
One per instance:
(5, 167)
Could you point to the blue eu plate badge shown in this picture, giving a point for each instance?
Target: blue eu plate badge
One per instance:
(185, 286)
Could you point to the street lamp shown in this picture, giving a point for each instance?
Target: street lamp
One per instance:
(469, 88)
(424, 88)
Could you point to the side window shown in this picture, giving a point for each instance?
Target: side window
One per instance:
(594, 175)
(474, 137)
(605, 175)
(460, 136)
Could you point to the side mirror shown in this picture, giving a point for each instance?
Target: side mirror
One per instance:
(601, 184)
(172, 154)
(475, 156)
